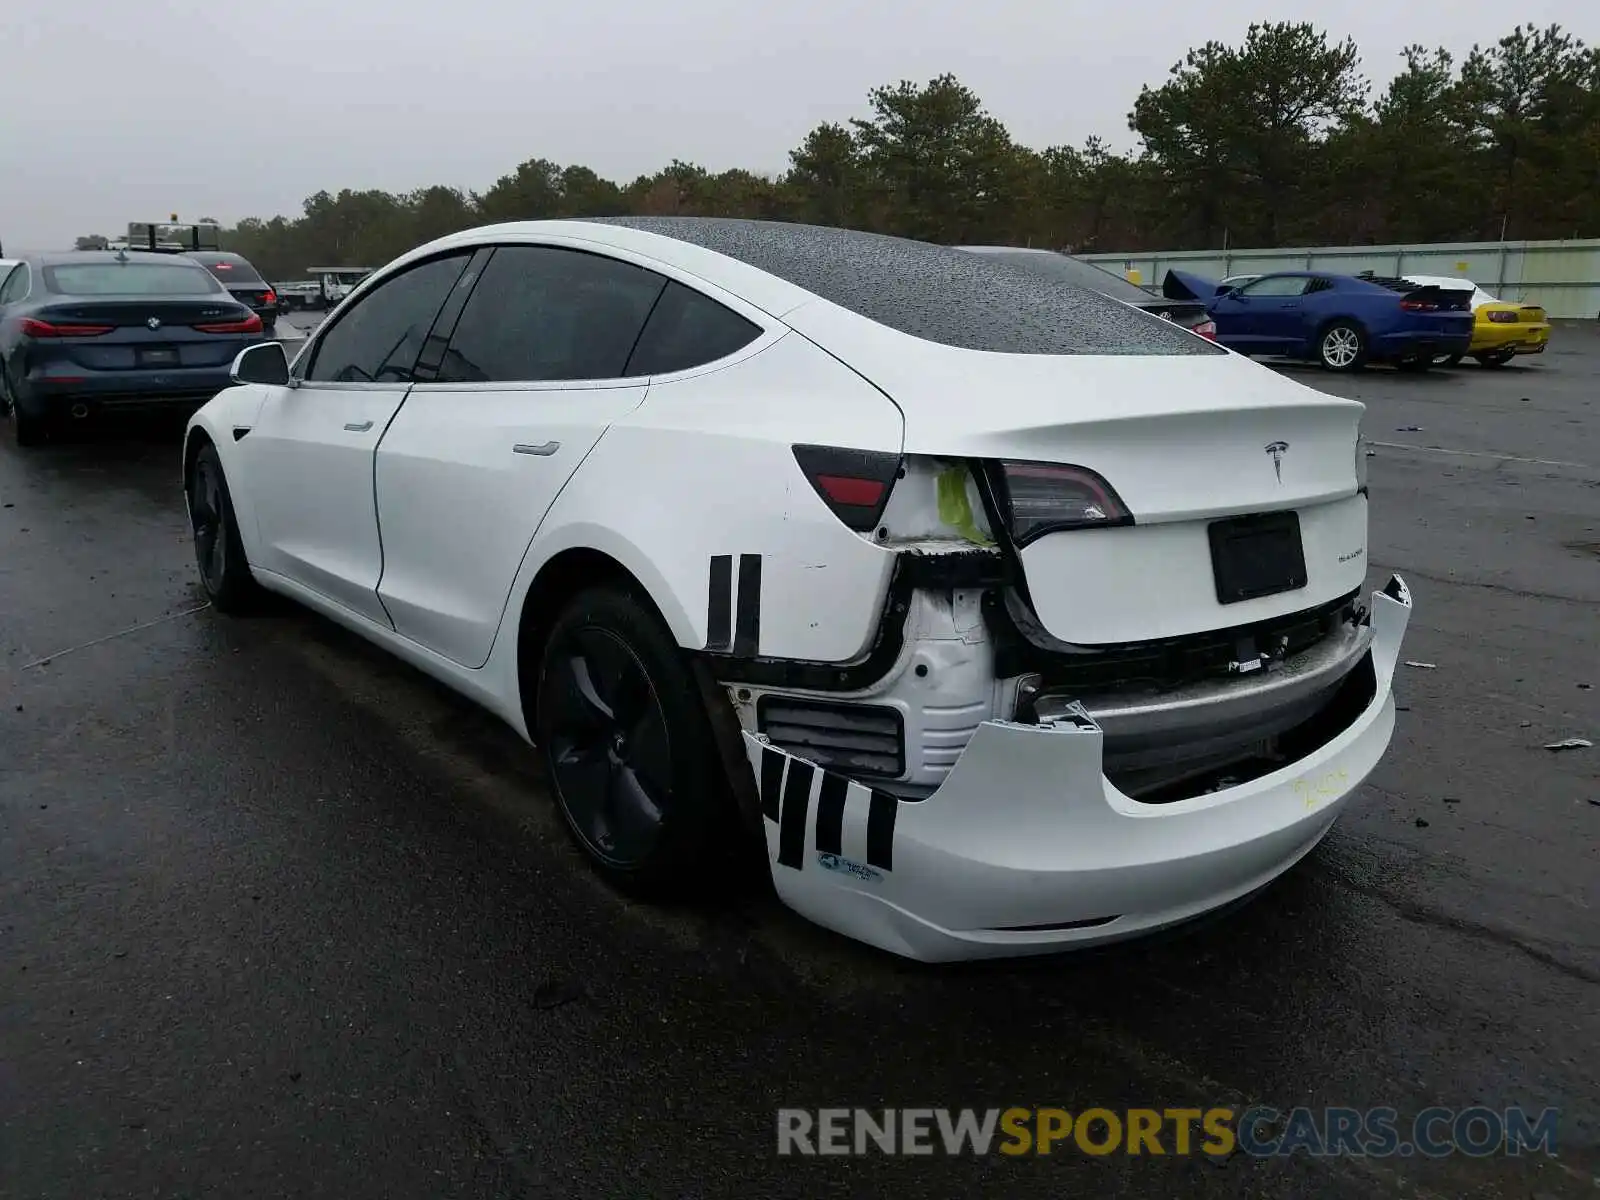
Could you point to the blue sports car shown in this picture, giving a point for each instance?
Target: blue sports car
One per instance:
(100, 330)
(1342, 321)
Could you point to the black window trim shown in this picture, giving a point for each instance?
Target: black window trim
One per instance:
(313, 347)
(25, 267)
(771, 328)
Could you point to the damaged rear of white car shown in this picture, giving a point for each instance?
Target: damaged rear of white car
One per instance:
(1003, 616)
(1124, 672)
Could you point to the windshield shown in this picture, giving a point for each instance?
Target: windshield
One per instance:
(130, 279)
(236, 271)
(1065, 269)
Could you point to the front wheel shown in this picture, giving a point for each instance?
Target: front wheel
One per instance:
(218, 550)
(629, 747)
(1497, 358)
(1343, 347)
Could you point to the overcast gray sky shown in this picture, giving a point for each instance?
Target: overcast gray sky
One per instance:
(119, 110)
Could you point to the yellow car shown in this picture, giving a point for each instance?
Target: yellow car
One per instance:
(1501, 330)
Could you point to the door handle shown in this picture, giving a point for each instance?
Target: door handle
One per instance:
(359, 426)
(544, 449)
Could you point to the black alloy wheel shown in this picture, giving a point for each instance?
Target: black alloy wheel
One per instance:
(218, 551)
(628, 745)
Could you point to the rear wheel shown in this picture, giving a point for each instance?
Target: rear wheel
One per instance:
(1495, 358)
(631, 756)
(27, 429)
(1452, 360)
(218, 550)
(1342, 347)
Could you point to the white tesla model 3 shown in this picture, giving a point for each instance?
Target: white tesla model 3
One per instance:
(1006, 617)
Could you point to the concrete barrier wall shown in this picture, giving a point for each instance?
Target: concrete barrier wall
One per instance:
(1562, 276)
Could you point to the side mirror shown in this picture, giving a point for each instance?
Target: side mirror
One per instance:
(264, 362)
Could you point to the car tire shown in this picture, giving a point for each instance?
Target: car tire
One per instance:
(629, 748)
(1453, 360)
(28, 429)
(1497, 358)
(218, 549)
(1342, 346)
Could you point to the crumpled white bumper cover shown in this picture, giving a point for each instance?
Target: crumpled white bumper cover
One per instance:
(1027, 848)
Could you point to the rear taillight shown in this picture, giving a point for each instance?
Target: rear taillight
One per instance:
(1503, 318)
(270, 298)
(251, 324)
(1419, 306)
(1206, 329)
(855, 484)
(1040, 498)
(32, 327)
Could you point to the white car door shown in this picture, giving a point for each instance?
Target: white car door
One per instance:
(310, 453)
(533, 373)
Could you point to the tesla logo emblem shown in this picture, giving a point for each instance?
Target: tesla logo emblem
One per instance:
(1277, 450)
(154, 322)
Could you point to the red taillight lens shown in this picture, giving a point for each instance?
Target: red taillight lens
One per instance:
(44, 329)
(251, 324)
(270, 298)
(1503, 318)
(1206, 329)
(1040, 498)
(855, 484)
(1419, 306)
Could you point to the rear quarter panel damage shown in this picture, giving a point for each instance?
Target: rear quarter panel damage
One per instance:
(697, 493)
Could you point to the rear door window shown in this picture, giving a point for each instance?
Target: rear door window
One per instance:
(379, 338)
(686, 330)
(542, 313)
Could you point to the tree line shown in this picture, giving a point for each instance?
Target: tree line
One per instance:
(1278, 140)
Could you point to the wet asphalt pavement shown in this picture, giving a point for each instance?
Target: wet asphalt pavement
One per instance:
(280, 917)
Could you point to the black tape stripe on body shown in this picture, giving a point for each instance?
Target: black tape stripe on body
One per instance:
(747, 608)
(880, 831)
(792, 822)
(830, 813)
(719, 603)
(771, 781)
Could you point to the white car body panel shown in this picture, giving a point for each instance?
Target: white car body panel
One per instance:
(997, 837)
(1027, 849)
(464, 476)
(1143, 577)
(706, 448)
(312, 504)
(1184, 441)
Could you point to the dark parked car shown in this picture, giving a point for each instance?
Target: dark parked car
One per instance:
(243, 281)
(1063, 268)
(112, 330)
(1341, 321)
